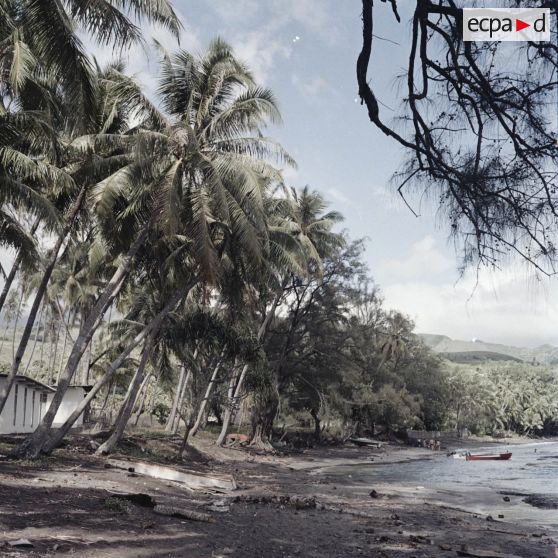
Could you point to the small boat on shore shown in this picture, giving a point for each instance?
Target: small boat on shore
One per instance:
(488, 457)
(362, 442)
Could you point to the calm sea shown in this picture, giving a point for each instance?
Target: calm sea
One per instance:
(475, 485)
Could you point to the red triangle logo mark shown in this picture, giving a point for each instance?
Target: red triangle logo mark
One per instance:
(520, 25)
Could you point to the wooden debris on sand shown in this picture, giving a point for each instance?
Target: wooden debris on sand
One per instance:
(192, 480)
(182, 513)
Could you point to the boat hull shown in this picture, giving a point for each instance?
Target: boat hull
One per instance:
(362, 442)
(496, 457)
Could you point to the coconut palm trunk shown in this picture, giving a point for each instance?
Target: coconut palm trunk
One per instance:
(41, 290)
(208, 391)
(48, 440)
(36, 440)
(128, 405)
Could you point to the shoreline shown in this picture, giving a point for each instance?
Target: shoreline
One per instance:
(285, 506)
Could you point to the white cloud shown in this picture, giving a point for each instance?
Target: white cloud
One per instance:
(504, 306)
(260, 51)
(311, 88)
(234, 11)
(424, 260)
(276, 36)
(314, 15)
(339, 196)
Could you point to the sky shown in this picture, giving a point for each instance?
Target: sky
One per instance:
(306, 51)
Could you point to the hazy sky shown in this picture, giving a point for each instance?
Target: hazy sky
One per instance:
(306, 50)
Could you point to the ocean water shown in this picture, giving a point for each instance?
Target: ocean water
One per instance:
(475, 486)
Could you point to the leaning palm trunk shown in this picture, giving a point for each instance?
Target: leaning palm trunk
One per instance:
(47, 441)
(87, 330)
(15, 268)
(128, 405)
(203, 404)
(41, 290)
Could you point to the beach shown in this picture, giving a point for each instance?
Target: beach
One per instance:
(315, 503)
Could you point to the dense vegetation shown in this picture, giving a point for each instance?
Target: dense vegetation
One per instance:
(497, 398)
(161, 257)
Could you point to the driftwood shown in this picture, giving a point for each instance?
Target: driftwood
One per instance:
(147, 501)
(171, 511)
(190, 479)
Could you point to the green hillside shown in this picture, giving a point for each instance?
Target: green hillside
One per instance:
(477, 357)
(544, 354)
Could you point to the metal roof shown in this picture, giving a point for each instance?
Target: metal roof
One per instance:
(31, 382)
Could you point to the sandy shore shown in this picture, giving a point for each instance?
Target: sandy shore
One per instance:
(284, 506)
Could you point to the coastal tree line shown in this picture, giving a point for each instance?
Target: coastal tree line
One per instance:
(160, 250)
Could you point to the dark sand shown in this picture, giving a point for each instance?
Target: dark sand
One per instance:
(285, 506)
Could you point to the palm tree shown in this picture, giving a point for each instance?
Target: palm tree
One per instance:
(393, 345)
(41, 61)
(39, 35)
(195, 182)
(80, 167)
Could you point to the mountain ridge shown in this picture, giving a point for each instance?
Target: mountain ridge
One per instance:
(544, 354)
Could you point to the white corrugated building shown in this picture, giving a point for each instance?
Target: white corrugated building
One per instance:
(28, 402)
